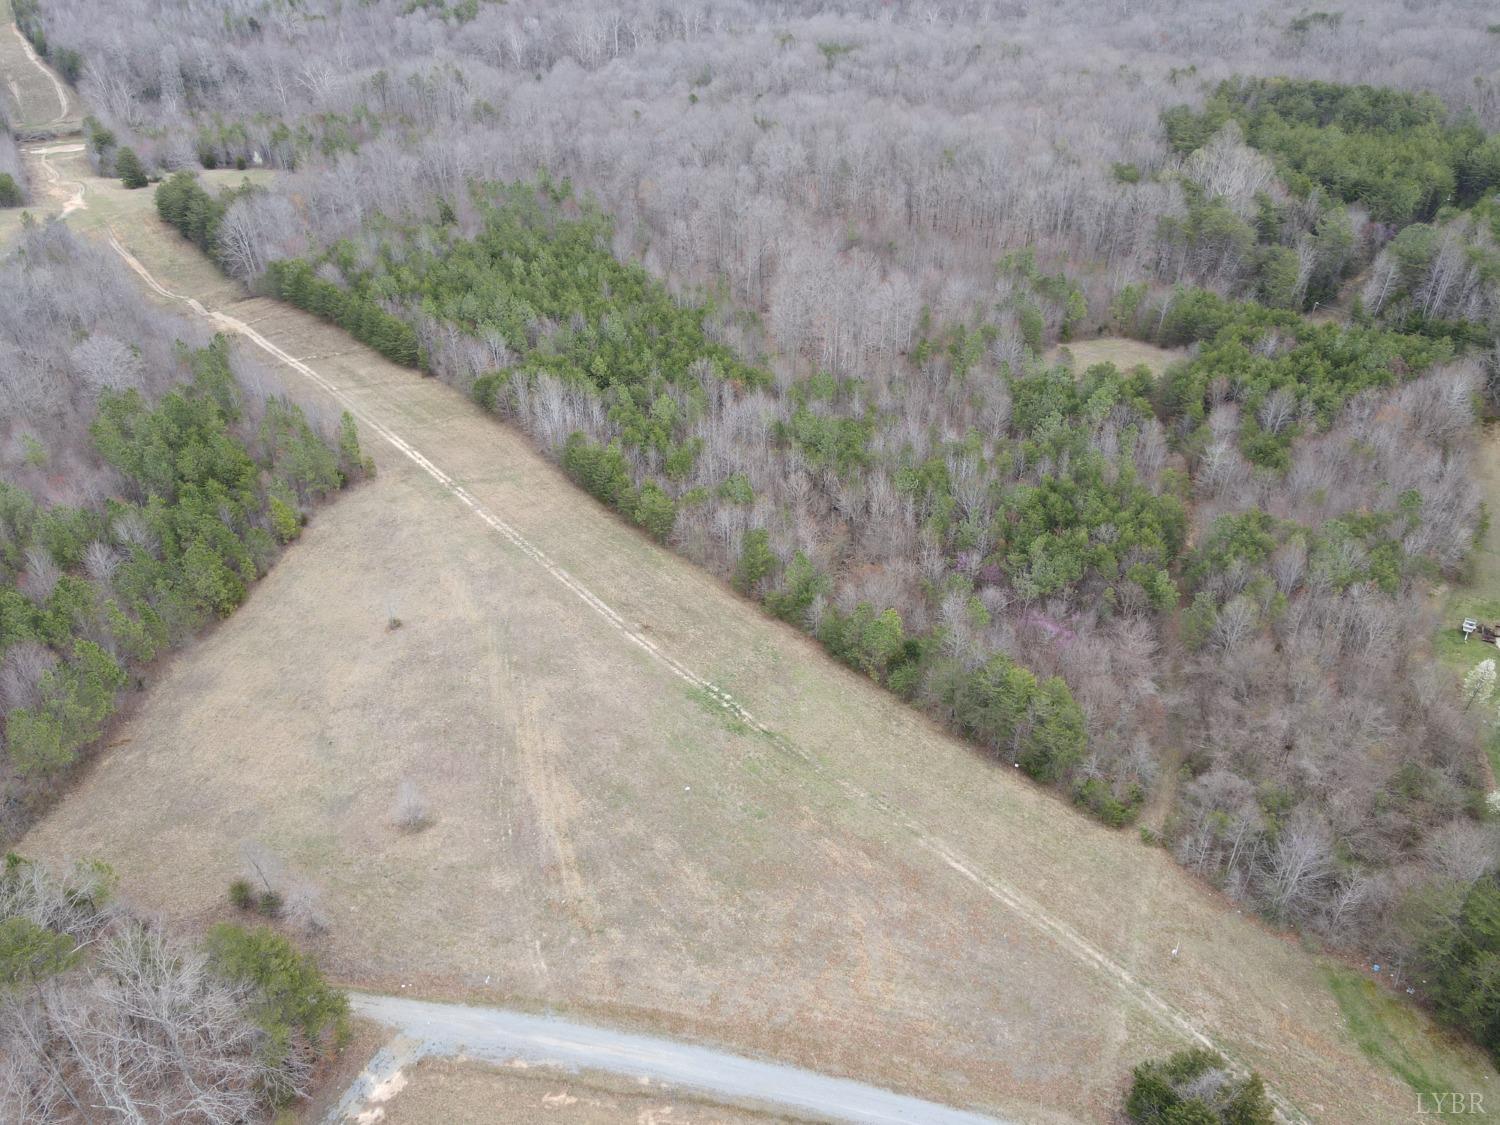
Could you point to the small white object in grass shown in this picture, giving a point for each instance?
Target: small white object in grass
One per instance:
(687, 788)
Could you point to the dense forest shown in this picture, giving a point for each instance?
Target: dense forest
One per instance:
(785, 288)
(147, 478)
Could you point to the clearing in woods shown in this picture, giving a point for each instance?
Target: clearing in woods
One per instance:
(845, 888)
(1122, 351)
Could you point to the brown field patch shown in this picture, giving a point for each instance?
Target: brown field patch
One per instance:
(1123, 352)
(476, 1094)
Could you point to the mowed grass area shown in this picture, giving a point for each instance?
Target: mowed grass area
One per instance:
(1121, 351)
(863, 895)
(63, 181)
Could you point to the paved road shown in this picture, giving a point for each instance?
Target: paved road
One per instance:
(497, 1035)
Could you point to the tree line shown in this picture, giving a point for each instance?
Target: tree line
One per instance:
(193, 494)
(941, 569)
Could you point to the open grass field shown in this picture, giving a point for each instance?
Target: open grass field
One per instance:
(844, 887)
(1123, 352)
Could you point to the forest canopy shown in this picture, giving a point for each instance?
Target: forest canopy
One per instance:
(1399, 153)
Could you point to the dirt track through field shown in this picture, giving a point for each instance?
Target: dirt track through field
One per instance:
(1086, 952)
(57, 86)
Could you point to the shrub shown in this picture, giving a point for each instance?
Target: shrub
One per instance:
(756, 561)
(69, 64)
(601, 469)
(1196, 1087)
(10, 191)
(800, 586)
(270, 903)
(241, 894)
(76, 699)
(1096, 795)
(352, 459)
(129, 168)
(100, 139)
(30, 953)
(655, 511)
(285, 522)
(293, 1001)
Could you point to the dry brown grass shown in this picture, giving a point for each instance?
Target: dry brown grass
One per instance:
(474, 1094)
(607, 842)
